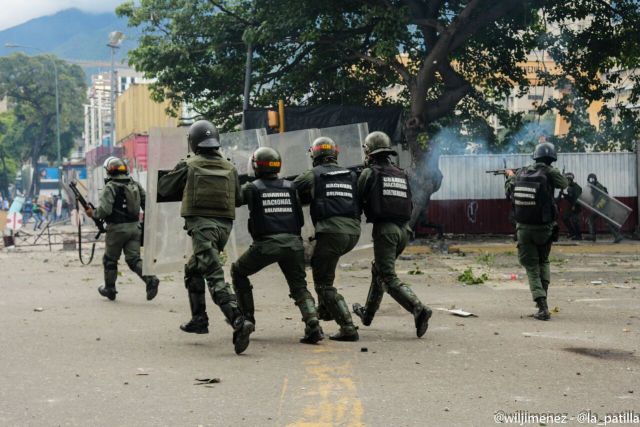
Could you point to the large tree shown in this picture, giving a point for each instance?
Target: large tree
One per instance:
(28, 81)
(454, 61)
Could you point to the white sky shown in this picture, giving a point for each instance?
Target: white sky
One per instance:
(15, 12)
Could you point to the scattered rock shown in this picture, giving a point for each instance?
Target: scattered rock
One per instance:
(364, 349)
(38, 309)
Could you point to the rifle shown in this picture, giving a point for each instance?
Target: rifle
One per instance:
(503, 171)
(86, 205)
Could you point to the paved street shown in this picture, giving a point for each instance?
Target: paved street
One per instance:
(70, 357)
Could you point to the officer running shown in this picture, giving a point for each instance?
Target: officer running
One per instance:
(332, 192)
(120, 204)
(275, 221)
(571, 215)
(532, 190)
(208, 185)
(600, 202)
(384, 193)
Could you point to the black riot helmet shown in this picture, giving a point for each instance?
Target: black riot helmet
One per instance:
(266, 161)
(592, 178)
(378, 142)
(323, 148)
(203, 134)
(114, 166)
(545, 152)
(570, 176)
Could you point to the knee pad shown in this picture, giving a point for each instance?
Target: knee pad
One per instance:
(109, 263)
(222, 298)
(133, 263)
(327, 294)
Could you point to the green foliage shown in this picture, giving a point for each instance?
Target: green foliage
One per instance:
(486, 258)
(468, 278)
(29, 84)
(451, 63)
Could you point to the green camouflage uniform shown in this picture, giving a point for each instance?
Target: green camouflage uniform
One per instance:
(534, 241)
(389, 240)
(571, 215)
(209, 227)
(335, 237)
(286, 250)
(121, 236)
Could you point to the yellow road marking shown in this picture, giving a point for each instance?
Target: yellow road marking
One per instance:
(332, 392)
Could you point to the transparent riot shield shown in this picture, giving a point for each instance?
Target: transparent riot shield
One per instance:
(166, 244)
(604, 205)
(349, 139)
(238, 148)
(293, 148)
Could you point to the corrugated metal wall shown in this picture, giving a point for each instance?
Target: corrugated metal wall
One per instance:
(465, 177)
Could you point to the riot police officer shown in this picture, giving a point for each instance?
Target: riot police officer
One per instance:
(384, 193)
(120, 204)
(571, 215)
(332, 192)
(592, 179)
(532, 191)
(209, 187)
(275, 222)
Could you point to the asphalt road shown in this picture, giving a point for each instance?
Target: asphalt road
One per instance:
(70, 357)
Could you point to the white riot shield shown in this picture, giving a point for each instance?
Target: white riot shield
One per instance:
(293, 148)
(166, 244)
(238, 148)
(607, 207)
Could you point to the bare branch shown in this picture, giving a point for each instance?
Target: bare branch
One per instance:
(232, 14)
(395, 65)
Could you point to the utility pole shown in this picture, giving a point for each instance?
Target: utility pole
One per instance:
(115, 40)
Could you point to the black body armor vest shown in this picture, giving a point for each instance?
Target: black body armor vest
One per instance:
(334, 193)
(390, 196)
(274, 209)
(533, 198)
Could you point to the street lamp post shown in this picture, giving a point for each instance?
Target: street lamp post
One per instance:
(55, 75)
(115, 39)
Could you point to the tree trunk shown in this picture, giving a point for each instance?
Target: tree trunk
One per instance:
(425, 174)
(5, 180)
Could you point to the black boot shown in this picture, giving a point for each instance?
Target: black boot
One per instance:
(199, 323)
(109, 288)
(312, 333)
(242, 329)
(152, 286)
(543, 310)
(422, 321)
(360, 311)
(346, 335)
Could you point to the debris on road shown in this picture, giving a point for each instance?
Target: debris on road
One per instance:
(458, 312)
(38, 309)
(204, 381)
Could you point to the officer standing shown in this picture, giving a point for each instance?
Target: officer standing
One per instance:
(275, 221)
(384, 193)
(120, 204)
(532, 190)
(600, 202)
(332, 192)
(571, 215)
(208, 185)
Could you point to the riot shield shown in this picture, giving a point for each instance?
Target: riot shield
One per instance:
(238, 148)
(604, 205)
(349, 139)
(166, 244)
(293, 148)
